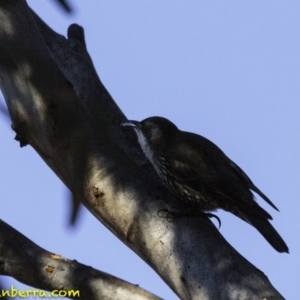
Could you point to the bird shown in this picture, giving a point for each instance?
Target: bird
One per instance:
(202, 176)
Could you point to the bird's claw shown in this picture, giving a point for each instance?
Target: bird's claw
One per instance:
(210, 215)
(169, 215)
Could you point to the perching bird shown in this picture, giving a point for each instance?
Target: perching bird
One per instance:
(198, 172)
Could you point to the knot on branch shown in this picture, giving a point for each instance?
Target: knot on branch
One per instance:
(20, 134)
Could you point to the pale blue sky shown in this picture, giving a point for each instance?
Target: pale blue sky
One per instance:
(228, 70)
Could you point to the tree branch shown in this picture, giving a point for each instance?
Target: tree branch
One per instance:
(37, 267)
(61, 108)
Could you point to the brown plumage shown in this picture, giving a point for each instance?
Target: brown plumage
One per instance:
(199, 173)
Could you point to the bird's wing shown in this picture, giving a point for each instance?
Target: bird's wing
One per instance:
(204, 168)
(243, 176)
(202, 165)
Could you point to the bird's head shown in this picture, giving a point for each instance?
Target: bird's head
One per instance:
(153, 133)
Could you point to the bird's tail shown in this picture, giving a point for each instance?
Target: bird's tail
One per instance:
(268, 232)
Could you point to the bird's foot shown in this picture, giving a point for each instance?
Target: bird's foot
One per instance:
(167, 214)
(171, 214)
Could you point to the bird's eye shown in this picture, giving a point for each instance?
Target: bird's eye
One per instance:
(156, 133)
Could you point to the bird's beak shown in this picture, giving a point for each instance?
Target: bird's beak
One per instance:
(129, 123)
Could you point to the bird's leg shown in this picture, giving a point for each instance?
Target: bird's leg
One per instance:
(171, 214)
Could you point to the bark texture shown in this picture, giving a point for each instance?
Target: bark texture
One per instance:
(37, 267)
